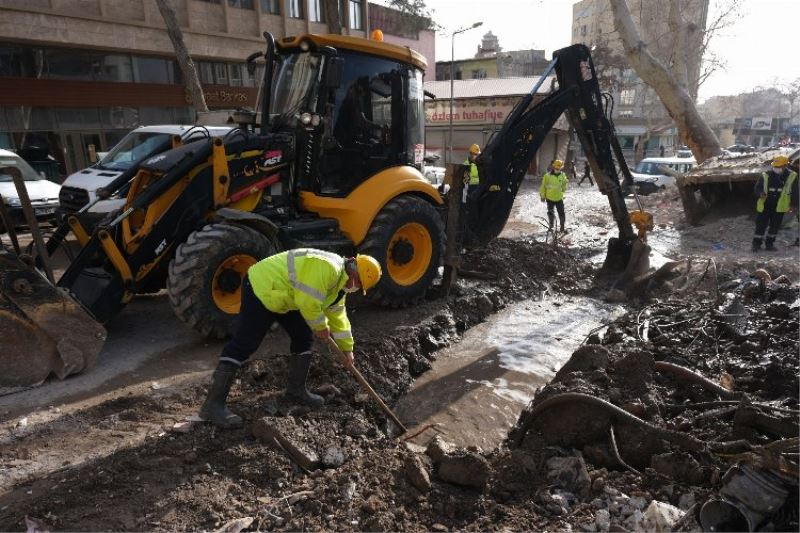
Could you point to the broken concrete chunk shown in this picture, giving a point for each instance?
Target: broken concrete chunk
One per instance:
(466, 469)
(279, 430)
(660, 517)
(417, 473)
(602, 518)
(235, 526)
(438, 448)
(333, 457)
(569, 473)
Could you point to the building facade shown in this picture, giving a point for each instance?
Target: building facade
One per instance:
(491, 61)
(76, 75)
(397, 29)
(480, 107)
(638, 113)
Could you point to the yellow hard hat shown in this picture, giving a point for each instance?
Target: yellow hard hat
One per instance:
(558, 164)
(780, 161)
(475, 149)
(369, 271)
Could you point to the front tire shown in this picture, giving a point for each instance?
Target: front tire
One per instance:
(205, 276)
(407, 239)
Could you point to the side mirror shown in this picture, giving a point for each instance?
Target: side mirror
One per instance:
(333, 72)
(251, 62)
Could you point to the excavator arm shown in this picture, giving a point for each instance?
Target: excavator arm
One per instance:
(507, 156)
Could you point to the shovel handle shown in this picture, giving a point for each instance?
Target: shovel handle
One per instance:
(367, 387)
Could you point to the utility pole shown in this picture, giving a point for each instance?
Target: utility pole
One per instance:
(452, 75)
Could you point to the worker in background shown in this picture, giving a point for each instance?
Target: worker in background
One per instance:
(554, 185)
(775, 191)
(304, 291)
(587, 175)
(474, 178)
(795, 204)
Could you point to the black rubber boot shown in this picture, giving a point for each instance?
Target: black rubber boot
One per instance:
(563, 230)
(299, 365)
(214, 409)
(770, 247)
(550, 221)
(756, 245)
(796, 242)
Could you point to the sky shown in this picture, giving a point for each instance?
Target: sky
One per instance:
(755, 47)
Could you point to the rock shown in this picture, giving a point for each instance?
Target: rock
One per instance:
(598, 484)
(680, 466)
(417, 474)
(438, 527)
(235, 526)
(484, 305)
(555, 509)
(634, 521)
(329, 390)
(438, 448)
(182, 427)
(569, 473)
(271, 430)
(590, 526)
(660, 516)
(357, 427)
(686, 501)
(348, 490)
(762, 275)
(602, 518)
(616, 296)
(783, 280)
(465, 469)
(333, 457)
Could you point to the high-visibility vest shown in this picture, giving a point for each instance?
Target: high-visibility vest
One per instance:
(785, 197)
(474, 179)
(553, 186)
(309, 281)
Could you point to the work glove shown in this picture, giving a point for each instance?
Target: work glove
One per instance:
(348, 362)
(323, 334)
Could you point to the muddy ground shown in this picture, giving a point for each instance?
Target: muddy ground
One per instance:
(121, 465)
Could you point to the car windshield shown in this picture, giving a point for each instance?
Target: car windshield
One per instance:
(28, 174)
(647, 167)
(133, 148)
(296, 77)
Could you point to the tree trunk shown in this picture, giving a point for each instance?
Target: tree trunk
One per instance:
(678, 102)
(182, 54)
(333, 16)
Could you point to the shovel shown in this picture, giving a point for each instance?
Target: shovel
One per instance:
(356, 374)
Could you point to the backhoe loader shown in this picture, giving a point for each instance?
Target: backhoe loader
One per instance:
(335, 164)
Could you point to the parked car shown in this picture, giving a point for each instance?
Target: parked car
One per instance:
(740, 148)
(649, 174)
(432, 173)
(80, 188)
(43, 193)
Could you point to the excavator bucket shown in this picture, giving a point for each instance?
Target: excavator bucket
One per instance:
(43, 330)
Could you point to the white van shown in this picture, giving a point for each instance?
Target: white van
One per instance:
(80, 188)
(649, 171)
(42, 193)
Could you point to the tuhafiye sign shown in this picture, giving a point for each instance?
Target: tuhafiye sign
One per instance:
(472, 111)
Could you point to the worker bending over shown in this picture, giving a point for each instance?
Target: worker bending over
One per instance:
(554, 185)
(304, 291)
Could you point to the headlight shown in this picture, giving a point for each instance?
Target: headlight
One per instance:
(305, 118)
(13, 202)
(315, 120)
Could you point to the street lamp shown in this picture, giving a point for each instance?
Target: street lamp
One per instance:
(452, 76)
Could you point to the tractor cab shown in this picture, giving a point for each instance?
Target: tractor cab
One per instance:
(355, 107)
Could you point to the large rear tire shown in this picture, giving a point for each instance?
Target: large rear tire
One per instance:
(205, 276)
(407, 239)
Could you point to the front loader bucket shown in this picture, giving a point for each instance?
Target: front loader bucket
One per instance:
(42, 330)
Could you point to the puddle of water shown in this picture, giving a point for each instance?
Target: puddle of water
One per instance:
(478, 387)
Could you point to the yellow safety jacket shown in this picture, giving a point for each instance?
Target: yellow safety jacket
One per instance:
(308, 281)
(785, 197)
(553, 186)
(474, 179)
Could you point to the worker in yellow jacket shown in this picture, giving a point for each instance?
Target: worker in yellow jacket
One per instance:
(304, 291)
(554, 185)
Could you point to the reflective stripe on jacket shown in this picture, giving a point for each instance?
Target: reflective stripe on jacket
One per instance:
(474, 179)
(553, 186)
(308, 281)
(784, 199)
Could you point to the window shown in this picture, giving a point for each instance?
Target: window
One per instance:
(69, 64)
(458, 75)
(112, 67)
(627, 96)
(206, 72)
(235, 71)
(17, 61)
(221, 73)
(273, 7)
(241, 4)
(152, 70)
(210, 1)
(479, 74)
(316, 11)
(356, 20)
(296, 9)
(626, 113)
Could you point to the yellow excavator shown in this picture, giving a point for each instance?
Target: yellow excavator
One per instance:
(334, 163)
